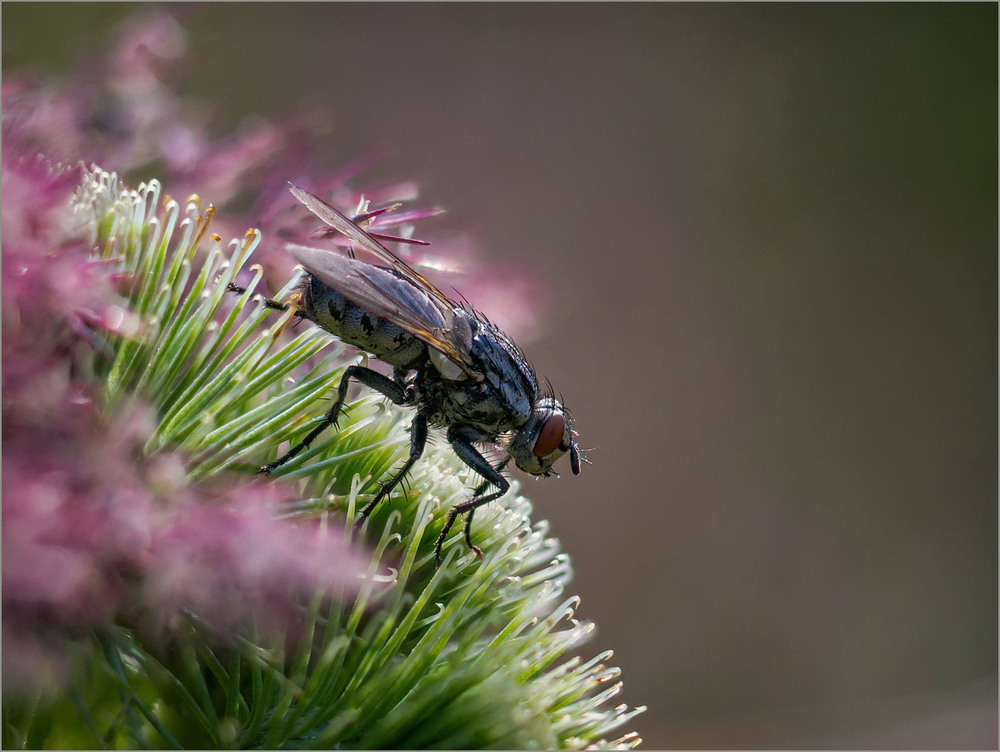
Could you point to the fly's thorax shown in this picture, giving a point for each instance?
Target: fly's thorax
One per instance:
(545, 437)
(357, 326)
(504, 369)
(464, 401)
(493, 392)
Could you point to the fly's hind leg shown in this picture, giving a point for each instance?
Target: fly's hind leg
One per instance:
(366, 376)
(461, 441)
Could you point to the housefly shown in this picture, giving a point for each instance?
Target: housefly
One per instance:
(459, 371)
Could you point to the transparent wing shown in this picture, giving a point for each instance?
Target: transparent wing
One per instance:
(359, 237)
(396, 293)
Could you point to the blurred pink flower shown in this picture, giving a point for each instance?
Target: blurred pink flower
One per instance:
(94, 531)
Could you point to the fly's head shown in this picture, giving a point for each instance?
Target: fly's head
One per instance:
(546, 437)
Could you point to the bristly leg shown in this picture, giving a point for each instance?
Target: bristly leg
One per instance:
(461, 441)
(366, 376)
(468, 516)
(268, 302)
(468, 507)
(418, 440)
(468, 537)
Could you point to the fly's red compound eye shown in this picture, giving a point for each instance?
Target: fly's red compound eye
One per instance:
(550, 436)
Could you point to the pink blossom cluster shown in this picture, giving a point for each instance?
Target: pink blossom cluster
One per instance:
(96, 533)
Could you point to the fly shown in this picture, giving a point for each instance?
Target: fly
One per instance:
(459, 371)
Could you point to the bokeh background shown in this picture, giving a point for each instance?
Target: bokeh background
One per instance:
(769, 237)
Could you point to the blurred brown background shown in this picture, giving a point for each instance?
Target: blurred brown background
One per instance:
(772, 234)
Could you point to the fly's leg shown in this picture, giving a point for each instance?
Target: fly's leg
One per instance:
(268, 303)
(482, 486)
(468, 517)
(418, 439)
(366, 376)
(461, 441)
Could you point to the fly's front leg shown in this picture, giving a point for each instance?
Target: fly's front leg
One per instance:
(268, 302)
(468, 517)
(461, 441)
(418, 439)
(366, 376)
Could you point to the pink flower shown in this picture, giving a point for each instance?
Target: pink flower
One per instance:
(96, 532)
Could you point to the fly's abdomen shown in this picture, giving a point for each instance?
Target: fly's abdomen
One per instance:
(362, 328)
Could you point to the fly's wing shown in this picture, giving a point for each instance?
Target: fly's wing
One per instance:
(398, 293)
(362, 239)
